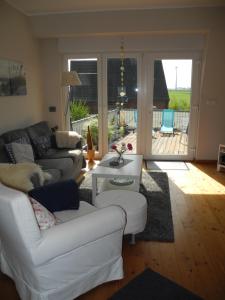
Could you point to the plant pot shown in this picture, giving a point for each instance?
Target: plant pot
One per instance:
(91, 154)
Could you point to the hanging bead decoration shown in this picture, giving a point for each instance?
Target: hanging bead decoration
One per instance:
(122, 70)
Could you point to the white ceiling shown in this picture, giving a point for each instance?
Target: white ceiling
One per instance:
(38, 7)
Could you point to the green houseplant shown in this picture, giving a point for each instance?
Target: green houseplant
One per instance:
(79, 110)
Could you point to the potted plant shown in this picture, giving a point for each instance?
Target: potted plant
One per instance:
(90, 146)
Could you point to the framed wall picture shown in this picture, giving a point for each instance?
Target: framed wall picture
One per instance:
(12, 78)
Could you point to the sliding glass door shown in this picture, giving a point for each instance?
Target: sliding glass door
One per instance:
(148, 100)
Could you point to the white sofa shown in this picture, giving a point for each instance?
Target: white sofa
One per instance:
(66, 260)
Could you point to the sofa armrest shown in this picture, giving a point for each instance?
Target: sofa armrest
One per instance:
(67, 139)
(66, 237)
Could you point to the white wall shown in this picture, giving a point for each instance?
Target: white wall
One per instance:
(51, 67)
(18, 44)
(134, 24)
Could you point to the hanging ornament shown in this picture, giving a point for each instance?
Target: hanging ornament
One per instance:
(122, 70)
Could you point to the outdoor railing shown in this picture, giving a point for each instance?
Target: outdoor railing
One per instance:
(127, 116)
(81, 125)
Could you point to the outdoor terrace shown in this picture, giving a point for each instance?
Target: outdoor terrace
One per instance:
(161, 144)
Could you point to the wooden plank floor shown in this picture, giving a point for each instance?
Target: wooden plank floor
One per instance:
(161, 145)
(196, 259)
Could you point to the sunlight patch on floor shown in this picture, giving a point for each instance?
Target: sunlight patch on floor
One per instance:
(196, 182)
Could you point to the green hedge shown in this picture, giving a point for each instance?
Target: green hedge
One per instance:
(179, 99)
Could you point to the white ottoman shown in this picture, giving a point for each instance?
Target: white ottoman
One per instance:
(133, 203)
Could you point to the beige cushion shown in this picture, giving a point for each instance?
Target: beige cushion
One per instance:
(18, 176)
(67, 139)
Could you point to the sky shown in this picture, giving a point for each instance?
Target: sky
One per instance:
(184, 69)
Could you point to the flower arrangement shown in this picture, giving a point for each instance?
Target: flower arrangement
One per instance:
(122, 148)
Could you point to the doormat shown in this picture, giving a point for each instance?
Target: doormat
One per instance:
(166, 165)
(155, 188)
(150, 285)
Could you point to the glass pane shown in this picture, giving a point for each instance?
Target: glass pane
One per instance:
(84, 98)
(171, 106)
(122, 102)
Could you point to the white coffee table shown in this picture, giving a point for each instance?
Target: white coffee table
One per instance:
(131, 170)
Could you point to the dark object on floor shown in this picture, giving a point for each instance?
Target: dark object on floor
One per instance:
(155, 187)
(150, 285)
(159, 227)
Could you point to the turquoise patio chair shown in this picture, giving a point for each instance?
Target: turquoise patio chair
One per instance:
(167, 126)
(135, 118)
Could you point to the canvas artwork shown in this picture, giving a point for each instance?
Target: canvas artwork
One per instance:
(12, 78)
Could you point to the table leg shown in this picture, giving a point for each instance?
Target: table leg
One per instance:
(94, 188)
(132, 240)
(137, 183)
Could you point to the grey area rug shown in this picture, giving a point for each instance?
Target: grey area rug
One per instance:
(150, 285)
(155, 187)
(159, 227)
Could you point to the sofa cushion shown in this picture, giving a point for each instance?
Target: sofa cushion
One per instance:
(41, 137)
(45, 219)
(19, 153)
(64, 153)
(41, 145)
(57, 196)
(54, 176)
(15, 135)
(39, 129)
(68, 215)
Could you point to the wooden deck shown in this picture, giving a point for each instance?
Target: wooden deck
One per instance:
(162, 145)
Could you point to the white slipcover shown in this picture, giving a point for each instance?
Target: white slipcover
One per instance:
(134, 204)
(64, 261)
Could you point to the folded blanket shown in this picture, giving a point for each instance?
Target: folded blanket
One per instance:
(18, 176)
(67, 139)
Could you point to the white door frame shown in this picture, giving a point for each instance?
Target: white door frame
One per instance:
(148, 66)
(137, 56)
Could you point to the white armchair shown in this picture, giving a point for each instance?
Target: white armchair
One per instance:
(66, 260)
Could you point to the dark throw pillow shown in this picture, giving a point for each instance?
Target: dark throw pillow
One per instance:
(42, 144)
(58, 196)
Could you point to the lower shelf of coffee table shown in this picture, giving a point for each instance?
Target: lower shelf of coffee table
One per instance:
(108, 184)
